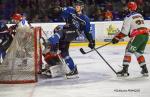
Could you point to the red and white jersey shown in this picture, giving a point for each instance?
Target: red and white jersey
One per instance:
(132, 22)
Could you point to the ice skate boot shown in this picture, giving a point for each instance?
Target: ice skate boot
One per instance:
(46, 73)
(144, 71)
(72, 74)
(123, 72)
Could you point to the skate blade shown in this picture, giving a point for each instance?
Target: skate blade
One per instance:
(44, 76)
(72, 76)
(120, 75)
(145, 75)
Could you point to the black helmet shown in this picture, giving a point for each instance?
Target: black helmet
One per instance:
(3, 26)
(55, 11)
(79, 2)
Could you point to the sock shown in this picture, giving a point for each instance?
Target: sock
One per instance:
(127, 59)
(3, 54)
(140, 58)
(70, 62)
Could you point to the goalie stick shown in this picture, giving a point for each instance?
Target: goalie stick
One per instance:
(83, 52)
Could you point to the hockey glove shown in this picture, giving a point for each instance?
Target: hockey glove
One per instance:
(57, 29)
(117, 38)
(114, 40)
(91, 44)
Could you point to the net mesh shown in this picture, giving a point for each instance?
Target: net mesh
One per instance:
(23, 56)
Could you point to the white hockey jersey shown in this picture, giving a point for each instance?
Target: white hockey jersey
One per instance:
(23, 23)
(23, 26)
(131, 22)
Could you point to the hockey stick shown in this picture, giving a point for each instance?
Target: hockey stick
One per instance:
(83, 52)
(105, 61)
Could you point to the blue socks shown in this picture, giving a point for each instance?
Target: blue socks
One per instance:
(70, 62)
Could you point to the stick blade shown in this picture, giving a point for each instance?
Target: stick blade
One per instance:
(82, 51)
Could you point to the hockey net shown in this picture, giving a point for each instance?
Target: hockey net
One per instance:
(23, 58)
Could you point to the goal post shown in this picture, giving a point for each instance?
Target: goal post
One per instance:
(23, 59)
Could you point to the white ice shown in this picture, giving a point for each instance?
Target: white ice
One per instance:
(96, 79)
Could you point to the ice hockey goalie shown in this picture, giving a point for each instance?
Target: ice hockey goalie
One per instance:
(54, 65)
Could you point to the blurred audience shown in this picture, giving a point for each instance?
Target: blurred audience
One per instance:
(97, 10)
(108, 16)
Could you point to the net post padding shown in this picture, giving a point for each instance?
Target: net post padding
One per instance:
(12, 70)
(38, 50)
(38, 31)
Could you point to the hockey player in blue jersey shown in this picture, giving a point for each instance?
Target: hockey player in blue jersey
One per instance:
(5, 40)
(76, 23)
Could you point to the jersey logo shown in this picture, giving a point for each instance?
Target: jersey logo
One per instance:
(70, 32)
(77, 21)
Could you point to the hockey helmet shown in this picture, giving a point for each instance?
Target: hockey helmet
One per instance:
(132, 6)
(56, 11)
(17, 17)
(79, 2)
(3, 26)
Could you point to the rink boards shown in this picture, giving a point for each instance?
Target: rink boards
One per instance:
(102, 31)
(82, 44)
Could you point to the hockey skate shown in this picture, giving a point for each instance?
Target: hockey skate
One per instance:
(46, 72)
(144, 71)
(72, 74)
(123, 72)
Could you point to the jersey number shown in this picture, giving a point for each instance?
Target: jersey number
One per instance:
(139, 22)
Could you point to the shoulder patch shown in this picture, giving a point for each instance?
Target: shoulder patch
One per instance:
(23, 22)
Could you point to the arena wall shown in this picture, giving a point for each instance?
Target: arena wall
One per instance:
(101, 31)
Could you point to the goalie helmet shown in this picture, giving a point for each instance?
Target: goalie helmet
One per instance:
(17, 17)
(132, 6)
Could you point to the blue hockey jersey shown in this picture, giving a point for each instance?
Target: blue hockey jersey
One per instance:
(78, 21)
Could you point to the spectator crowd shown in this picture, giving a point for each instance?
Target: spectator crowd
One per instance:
(97, 10)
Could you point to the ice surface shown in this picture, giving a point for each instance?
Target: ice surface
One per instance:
(96, 79)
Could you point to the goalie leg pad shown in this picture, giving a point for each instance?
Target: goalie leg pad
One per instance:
(57, 70)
